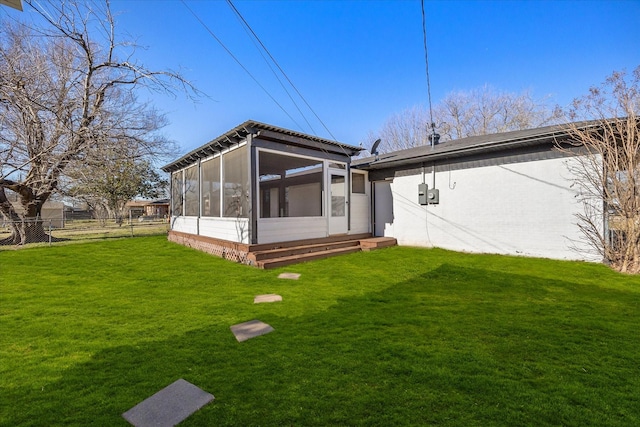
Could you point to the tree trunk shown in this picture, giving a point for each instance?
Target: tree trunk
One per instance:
(27, 227)
(27, 230)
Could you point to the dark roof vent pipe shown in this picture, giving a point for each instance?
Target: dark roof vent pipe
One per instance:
(434, 138)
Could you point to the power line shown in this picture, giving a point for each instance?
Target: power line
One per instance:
(255, 38)
(282, 71)
(238, 61)
(426, 61)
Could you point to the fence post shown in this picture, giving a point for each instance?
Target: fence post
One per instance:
(131, 222)
(50, 228)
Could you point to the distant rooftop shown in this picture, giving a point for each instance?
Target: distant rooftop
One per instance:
(16, 4)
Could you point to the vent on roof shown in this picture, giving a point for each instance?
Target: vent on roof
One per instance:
(434, 139)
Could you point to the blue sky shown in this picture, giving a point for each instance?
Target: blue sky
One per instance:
(358, 62)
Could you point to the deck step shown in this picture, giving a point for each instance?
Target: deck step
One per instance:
(373, 243)
(309, 256)
(301, 250)
(295, 243)
(287, 253)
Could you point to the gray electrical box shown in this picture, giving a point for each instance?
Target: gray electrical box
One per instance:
(433, 196)
(422, 194)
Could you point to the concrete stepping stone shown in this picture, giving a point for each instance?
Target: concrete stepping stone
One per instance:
(290, 276)
(169, 406)
(251, 329)
(267, 298)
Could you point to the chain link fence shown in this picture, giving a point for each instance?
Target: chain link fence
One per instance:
(57, 231)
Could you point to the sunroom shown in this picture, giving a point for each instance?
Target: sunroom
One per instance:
(259, 184)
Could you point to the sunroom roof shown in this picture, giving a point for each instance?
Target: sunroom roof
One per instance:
(252, 127)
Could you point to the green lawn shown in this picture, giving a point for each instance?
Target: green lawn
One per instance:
(399, 336)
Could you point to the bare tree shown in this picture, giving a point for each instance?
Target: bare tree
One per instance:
(485, 111)
(607, 175)
(462, 114)
(66, 86)
(109, 185)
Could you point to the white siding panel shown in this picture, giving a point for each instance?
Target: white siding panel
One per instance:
(520, 208)
(360, 214)
(231, 229)
(185, 224)
(272, 230)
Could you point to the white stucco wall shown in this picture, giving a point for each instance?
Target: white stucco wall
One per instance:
(525, 208)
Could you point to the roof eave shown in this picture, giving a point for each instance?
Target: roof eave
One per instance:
(238, 134)
(557, 133)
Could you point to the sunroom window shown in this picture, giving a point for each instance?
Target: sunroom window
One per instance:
(191, 205)
(235, 200)
(290, 186)
(211, 187)
(176, 193)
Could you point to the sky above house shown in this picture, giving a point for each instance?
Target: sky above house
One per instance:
(358, 62)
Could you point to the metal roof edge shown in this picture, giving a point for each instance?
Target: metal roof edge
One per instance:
(460, 149)
(240, 133)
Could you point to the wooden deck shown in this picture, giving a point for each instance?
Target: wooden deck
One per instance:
(283, 253)
(287, 253)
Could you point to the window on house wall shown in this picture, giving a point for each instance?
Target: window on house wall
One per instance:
(191, 198)
(211, 187)
(176, 193)
(235, 200)
(289, 186)
(357, 183)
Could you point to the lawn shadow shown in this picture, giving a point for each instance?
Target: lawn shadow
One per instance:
(454, 346)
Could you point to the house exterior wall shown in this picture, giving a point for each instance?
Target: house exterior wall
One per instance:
(518, 208)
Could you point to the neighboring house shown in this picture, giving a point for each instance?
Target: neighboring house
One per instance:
(157, 208)
(147, 208)
(135, 208)
(259, 184)
(506, 193)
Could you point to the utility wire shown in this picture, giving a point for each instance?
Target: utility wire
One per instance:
(255, 38)
(282, 71)
(238, 61)
(426, 61)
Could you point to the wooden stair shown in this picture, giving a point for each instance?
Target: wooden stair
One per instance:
(282, 254)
